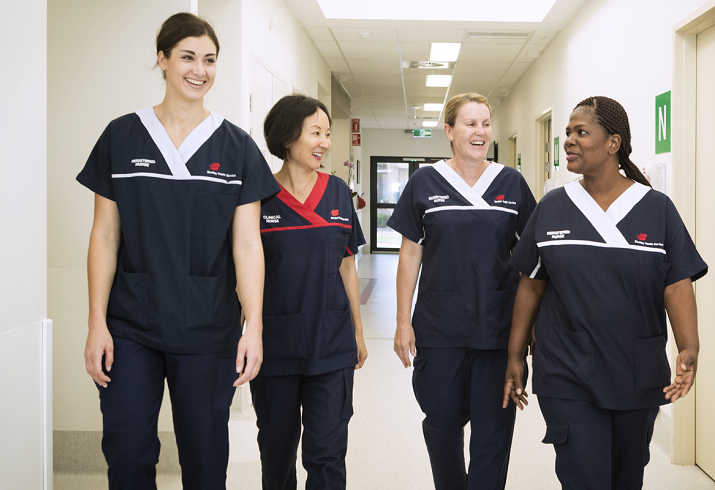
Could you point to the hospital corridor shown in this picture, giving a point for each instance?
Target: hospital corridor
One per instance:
(559, 148)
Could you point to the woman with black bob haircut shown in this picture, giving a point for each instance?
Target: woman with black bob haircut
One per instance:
(175, 236)
(602, 260)
(313, 337)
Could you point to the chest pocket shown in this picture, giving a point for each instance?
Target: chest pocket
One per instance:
(337, 243)
(336, 298)
(212, 215)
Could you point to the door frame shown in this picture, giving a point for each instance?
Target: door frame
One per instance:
(414, 165)
(539, 150)
(683, 148)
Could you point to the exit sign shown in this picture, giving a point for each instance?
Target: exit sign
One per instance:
(422, 133)
(663, 113)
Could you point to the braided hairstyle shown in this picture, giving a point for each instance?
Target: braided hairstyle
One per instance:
(612, 117)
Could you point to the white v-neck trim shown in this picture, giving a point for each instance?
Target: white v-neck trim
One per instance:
(472, 194)
(626, 201)
(603, 222)
(176, 158)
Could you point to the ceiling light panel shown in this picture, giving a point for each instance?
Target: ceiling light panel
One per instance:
(430, 124)
(438, 80)
(444, 51)
(433, 107)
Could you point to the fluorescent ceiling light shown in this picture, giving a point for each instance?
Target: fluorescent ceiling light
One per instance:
(430, 124)
(444, 51)
(433, 107)
(454, 10)
(438, 80)
(497, 35)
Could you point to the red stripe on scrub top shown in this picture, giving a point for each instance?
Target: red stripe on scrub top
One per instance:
(305, 227)
(318, 190)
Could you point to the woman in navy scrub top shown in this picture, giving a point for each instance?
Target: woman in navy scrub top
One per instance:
(459, 221)
(175, 236)
(602, 260)
(312, 336)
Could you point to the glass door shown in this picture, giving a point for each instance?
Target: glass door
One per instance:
(388, 177)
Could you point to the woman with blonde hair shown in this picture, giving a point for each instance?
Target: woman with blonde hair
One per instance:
(459, 221)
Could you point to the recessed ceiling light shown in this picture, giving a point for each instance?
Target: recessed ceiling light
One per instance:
(433, 107)
(444, 51)
(497, 35)
(438, 80)
(431, 65)
(429, 124)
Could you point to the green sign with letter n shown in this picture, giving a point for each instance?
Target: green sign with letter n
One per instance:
(662, 123)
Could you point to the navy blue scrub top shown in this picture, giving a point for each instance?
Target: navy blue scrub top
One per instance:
(307, 325)
(174, 289)
(467, 288)
(601, 330)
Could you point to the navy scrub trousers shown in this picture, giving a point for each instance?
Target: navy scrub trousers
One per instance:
(454, 386)
(596, 448)
(327, 406)
(201, 389)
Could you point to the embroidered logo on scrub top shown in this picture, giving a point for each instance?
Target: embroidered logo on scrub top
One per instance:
(558, 233)
(335, 214)
(438, 198)
(500, 199)
(143, 162)
(641, 240)
(214, 166)
(214, 171)
(275, 218)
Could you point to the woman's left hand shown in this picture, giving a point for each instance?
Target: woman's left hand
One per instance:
(362, 350)
(685, 367)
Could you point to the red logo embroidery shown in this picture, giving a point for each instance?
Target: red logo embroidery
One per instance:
(335, 212)
(642, 237)
(500, 197)
(214, 166)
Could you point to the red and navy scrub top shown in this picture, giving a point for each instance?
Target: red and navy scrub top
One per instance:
(601, 329)
(174, 288)
(307, 325)
(467, 288)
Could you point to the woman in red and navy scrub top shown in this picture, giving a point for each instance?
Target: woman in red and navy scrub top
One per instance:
(312, 336)
(602, 260)
(459, 221)
(175, 236)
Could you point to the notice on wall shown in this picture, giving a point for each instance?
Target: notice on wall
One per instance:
(356, 140)
(355, 126)
(556, 154)
(663, 113)
(518, 162)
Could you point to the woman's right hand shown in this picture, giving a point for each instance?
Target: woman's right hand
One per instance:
(405, 343)
(99, 345)
(512, 384)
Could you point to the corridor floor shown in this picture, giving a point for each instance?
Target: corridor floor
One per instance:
(386, 449)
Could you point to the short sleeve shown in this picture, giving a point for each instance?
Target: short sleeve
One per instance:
(407, 216)
(97, 172)
(526, 258)
(257, 181)
(356, 236)
(528, 204)
(681, 254)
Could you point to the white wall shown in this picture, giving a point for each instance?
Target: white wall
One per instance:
(620, 49)
(395, 142)
(23, 257)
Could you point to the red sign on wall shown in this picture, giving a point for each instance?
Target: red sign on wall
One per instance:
(356, 126)
(356, 140)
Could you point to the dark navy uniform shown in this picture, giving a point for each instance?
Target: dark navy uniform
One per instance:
(309, 347)
(462, 317)
(173, 309)
(601, 330)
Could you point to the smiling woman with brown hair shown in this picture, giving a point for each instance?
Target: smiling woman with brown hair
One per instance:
(602, 260)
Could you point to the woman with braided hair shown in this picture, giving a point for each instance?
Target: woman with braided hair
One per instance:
(602, 260)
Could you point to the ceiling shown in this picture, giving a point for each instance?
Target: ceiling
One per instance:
(371, 58)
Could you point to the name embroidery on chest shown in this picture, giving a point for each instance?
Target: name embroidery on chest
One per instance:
(275, 218)
(558, 234)
(143, 162)
(438, 198)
